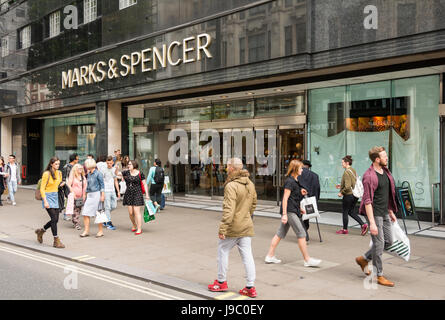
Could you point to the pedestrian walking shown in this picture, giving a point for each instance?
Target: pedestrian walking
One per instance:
(134, 196)
(117, 156)
(95, 195)
(349, 201)
(311, 183)
(156, 177)
(291, 216)
(77, 185)
(111, 184)
(2, 179)
(12, 178)
(49, 190)
(73, 159)
(236, 228)
(379, 205)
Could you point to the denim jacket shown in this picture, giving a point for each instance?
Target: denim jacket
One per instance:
(95, 182)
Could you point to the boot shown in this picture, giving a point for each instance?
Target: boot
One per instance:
(363, 263)
(39, 233)
(384, 282)
(57, 243)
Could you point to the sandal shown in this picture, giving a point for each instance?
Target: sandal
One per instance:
(84, 235)
(99, 235)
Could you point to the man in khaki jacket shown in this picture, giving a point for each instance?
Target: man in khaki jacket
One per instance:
(236, 226)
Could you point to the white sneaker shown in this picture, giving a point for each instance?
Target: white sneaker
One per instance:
(14, 204)
(272, 260)
(312, 262)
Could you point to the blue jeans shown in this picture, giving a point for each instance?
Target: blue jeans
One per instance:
(12, 188)
(110, 203)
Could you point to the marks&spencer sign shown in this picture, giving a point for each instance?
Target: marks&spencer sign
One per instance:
(189, 50)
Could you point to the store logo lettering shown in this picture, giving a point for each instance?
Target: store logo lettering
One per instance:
(147, 60)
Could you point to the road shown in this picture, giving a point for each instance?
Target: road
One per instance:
(27, 275)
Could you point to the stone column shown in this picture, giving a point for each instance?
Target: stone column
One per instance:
(6, 137)
(114, 127)
(101, 128)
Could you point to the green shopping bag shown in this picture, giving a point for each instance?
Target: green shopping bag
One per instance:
(147, 216)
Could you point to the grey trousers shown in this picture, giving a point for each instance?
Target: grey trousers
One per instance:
(380, 242)
(244, 245)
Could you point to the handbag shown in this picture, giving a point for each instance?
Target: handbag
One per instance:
(142, 184)
(101, 216)
(122, 187)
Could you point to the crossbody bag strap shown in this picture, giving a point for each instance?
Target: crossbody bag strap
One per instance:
(355, 177)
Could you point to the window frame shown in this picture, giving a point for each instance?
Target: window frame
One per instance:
(54, 24)
(123, 4)
(89, 11)
(25, 31)
(5, 47)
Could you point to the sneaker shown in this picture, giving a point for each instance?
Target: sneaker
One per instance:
(248, 292)
(110, 226)
(272, 260)
(342, 231)
(364, 229)
(66, 217)
(105, 224)
(312, 262)
(14, 204)
(218, 287)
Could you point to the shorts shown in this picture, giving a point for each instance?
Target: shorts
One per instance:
(294, 222)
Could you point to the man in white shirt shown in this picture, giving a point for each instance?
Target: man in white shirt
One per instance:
(110, 182)
(13, 178)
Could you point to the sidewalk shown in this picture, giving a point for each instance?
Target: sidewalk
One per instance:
(179, 249)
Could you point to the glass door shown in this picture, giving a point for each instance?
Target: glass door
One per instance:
(291, 147)
(266, 180)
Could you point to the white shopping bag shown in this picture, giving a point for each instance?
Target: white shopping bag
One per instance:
(122, 187)
(400, 247)
(101, 216)
(150, 207)
(309, 205)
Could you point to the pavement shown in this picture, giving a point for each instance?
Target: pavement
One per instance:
(178, 251)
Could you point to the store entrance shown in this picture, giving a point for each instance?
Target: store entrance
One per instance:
(207, 179)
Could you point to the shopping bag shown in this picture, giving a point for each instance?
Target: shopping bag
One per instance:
(400, 246)
(149, 211)
(309, 205)
(122, 187)
(101, 216)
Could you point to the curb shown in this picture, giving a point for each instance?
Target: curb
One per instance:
(135, 273)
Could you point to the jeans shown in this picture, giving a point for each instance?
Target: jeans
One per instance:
(110, 203)
(348, 204)
(380, 242)
(244, 245)
(12, 187)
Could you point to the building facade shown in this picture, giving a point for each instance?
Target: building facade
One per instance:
(321, 79)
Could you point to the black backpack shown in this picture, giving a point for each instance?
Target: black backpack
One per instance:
(159, 176)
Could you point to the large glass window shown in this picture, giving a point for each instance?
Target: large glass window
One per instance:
(195, 113)
(233, 110)
(400, 115)
(280, 105)
(63, 136)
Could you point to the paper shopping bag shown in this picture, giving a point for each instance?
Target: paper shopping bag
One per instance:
(310, 206)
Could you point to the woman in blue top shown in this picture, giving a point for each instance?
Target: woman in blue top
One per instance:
(95, 194)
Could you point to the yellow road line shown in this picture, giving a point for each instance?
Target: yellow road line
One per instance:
(85, 259)
(241, 298)
(80, 257)
(226, 295)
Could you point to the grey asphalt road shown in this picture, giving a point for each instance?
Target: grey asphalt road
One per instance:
(27, 275)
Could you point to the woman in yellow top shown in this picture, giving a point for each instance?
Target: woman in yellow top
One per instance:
(49, 187)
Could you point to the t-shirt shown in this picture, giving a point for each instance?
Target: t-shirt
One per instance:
(13, 176)
(381, 196)
(109, 175)
(293, 203)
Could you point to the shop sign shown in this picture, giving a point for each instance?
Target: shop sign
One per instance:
(146, 60)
